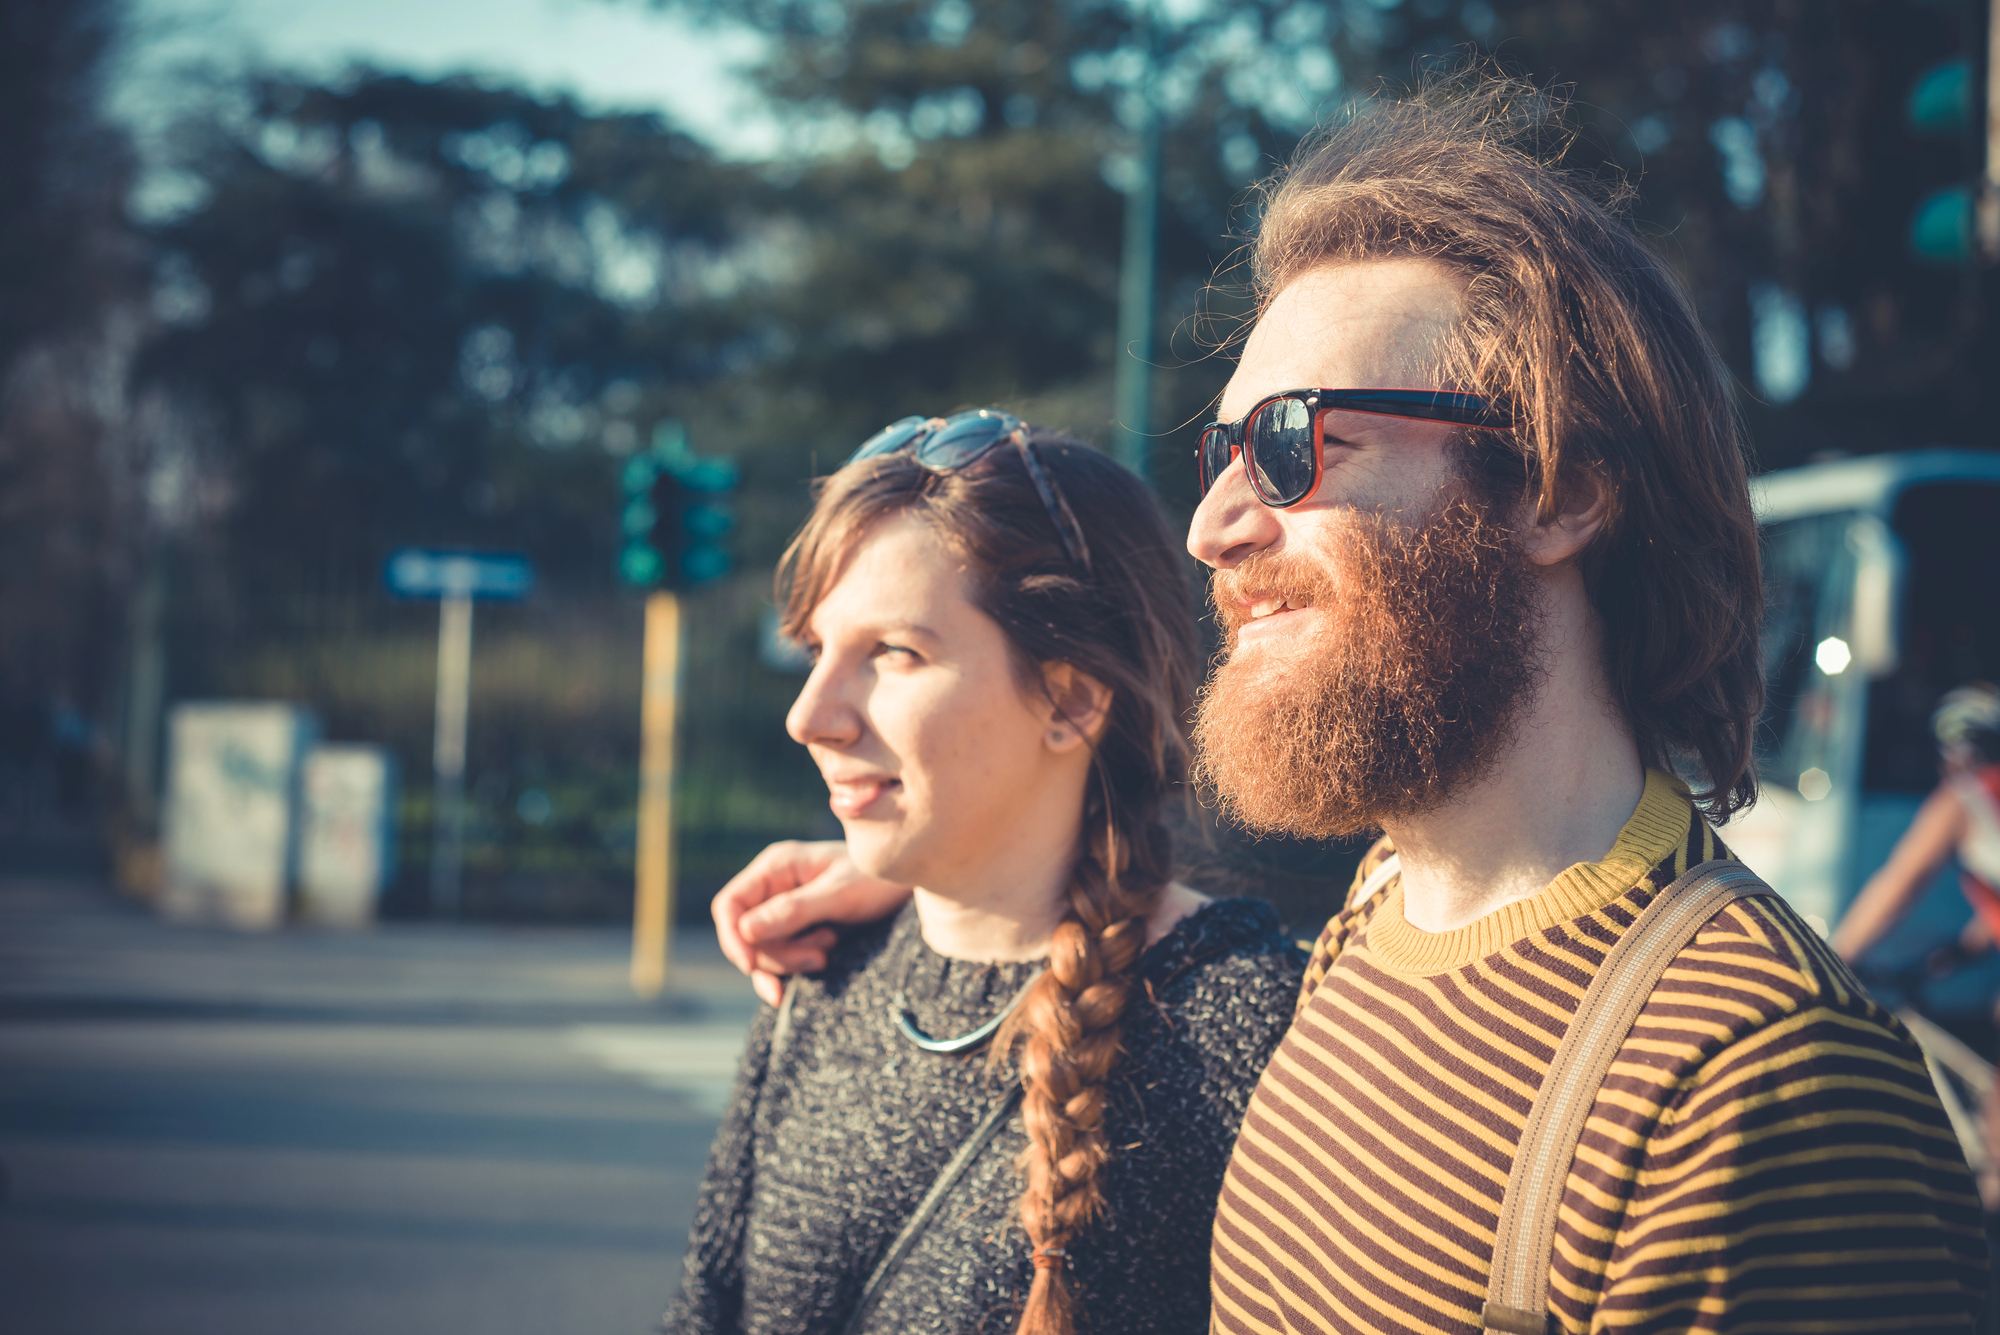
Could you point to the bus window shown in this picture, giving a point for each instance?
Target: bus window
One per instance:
(1951, 626)
(1805, 563)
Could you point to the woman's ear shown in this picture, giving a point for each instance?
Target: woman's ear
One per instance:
(1078, 703)
(1563, 535)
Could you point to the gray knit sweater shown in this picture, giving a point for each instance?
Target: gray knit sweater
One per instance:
(831, 1142)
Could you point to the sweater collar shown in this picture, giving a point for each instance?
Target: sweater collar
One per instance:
(1656, 827)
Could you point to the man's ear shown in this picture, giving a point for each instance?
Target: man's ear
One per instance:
(1079, 705)
(1565, 534)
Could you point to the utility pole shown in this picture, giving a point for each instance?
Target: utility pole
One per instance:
(659, 708)
(454, 702)
(145, 693)
(1137, 264)
(1986, 206)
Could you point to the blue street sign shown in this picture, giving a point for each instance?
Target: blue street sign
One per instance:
(415, 572)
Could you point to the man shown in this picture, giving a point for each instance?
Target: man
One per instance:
(1960, 819)
(1490, 645)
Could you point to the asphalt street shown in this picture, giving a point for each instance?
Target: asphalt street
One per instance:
(415, 1128)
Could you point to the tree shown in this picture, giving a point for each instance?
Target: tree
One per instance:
(67, 325)
(410, 306)
(1775, 160)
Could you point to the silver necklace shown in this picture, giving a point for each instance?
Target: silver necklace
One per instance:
(906, 1023)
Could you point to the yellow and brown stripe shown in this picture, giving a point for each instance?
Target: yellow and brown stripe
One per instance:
(1767, 1153)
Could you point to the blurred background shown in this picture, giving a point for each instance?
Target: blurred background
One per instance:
(292, 286)
(289, 287)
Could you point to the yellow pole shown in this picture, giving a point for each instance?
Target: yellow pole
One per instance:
(653, 897)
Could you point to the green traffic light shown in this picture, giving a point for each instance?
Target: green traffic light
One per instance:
(675, 514)
(1941, 230)
(707, 521)
(640, 565)
(638, 475)
(703, 563)
(1941, 99)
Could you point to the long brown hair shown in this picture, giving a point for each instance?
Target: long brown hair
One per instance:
(1128, 622)
(1572, 318)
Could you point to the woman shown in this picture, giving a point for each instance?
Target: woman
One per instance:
(1009, 1107)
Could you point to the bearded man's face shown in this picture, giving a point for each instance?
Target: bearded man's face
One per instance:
(1417, 659)
(1415, 643)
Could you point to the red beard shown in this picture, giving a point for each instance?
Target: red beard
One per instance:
(1407, 690)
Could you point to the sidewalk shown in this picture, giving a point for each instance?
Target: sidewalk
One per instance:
(73, 948)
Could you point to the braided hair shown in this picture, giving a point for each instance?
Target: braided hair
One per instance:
(1127, 621)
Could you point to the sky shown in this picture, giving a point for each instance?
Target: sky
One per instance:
(610, 54)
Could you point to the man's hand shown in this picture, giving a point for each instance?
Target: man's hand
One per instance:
(770, 918)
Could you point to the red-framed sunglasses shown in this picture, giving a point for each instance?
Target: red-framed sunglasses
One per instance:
(1282, 438)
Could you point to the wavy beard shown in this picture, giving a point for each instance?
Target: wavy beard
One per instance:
(1426, 651)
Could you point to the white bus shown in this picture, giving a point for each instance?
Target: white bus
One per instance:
(1883, 583)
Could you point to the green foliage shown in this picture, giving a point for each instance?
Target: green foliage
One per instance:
(67, 264)
(414, 310)
(963, 247)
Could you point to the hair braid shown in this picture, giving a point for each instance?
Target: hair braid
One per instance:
(1067, 1034)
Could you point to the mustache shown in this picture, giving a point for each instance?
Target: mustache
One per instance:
(1294, 577)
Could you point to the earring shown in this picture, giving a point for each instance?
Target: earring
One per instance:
(1057, 736)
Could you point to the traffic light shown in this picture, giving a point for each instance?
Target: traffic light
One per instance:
(676, 514)
(1940, 107)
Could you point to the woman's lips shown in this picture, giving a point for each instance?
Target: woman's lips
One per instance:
(851, 798)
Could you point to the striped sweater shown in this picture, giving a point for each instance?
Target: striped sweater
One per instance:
(1767, 1153)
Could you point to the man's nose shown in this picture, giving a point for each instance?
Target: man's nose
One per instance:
(1231, 523)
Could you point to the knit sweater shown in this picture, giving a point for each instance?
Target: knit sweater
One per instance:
(831, 1141)
(1767, 1153)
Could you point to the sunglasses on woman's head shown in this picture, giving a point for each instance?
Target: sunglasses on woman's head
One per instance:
(1282, 442)
(946, 444)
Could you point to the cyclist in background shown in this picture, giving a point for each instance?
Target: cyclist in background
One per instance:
(1962, 817)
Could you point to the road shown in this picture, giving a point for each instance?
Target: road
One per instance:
(410, 1129)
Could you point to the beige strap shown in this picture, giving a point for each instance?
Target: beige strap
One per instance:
(1389, 866)
(1517, 1294)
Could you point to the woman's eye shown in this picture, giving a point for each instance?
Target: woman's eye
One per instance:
(902, 651)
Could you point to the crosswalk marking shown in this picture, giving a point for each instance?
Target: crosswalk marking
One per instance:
(696, 1062)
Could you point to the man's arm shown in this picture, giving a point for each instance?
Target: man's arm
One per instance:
(771, 918)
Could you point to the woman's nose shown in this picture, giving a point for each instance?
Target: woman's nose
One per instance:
(823, 715)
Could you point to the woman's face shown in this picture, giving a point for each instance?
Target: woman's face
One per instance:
(936, 760)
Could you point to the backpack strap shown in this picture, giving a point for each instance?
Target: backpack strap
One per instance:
(1517, 1293)
(1387, 867)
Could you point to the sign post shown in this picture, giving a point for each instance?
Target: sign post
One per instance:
(653, 903)
(454, 579)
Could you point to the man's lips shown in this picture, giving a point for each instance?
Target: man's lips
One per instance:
(1266, 616)
(851, 797)
(1259, 608)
